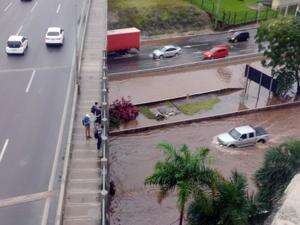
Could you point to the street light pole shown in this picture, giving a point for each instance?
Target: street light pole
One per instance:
(258, 11)
(217, 13)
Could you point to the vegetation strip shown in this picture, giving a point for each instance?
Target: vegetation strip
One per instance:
(192, 108)
(147, 112)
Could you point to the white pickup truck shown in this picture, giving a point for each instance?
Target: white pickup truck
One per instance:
(243, 136)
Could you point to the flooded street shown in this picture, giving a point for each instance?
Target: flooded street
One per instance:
(133, 157)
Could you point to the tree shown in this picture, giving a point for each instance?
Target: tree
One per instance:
(280, 165)
(279, 41)
(229, 204)
(181, 170)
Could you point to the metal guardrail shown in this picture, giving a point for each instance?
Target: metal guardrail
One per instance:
(105, 130)
(104, 145)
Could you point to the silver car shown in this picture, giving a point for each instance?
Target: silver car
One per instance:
(166, 51)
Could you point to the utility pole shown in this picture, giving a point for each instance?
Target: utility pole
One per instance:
(217, 13)
(258, 11)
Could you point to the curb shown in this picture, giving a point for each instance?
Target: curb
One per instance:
(212, 63)
(60, 211)
(215, 91)
(200, 119)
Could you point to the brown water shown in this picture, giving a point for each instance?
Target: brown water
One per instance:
(134, 156)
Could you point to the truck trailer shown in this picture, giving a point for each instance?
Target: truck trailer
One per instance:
(123, 41)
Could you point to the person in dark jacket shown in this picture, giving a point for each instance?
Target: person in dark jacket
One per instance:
(96, 110)
(93, 108)
(97, 135)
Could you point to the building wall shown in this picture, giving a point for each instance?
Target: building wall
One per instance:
(289, 212)
(283, 3)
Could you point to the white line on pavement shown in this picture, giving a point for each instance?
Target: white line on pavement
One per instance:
(7, 7)
(19, 31)
(4, 149)
(190, 46)
(33, 68)
(30, 81)
(35, 4)
(58, 8)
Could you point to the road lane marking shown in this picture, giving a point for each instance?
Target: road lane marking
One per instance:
(30, 81)
(59, 143)
(34, 68)
(198, 45)
(20, 29)
(35, 4)
(8, 6)
(24, 198)
(58, 8)
(3, 149)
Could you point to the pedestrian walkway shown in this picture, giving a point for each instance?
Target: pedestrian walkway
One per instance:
(82, 202)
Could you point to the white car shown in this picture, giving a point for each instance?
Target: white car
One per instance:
(54, 36)
(16, 45)
(166, 51)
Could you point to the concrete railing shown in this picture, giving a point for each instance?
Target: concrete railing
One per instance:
(214, 62)
(289, 212)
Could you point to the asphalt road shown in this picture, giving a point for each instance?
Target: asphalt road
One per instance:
(192, 52)
(32, 96)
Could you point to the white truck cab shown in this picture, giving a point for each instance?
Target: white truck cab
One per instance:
(243, 136)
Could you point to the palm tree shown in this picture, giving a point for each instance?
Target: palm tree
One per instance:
(181, 170)
(230, 204)
(280, 165)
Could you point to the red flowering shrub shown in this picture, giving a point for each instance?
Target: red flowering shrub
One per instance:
(122, 111)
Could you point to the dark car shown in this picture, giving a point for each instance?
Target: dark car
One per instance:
(239, 36)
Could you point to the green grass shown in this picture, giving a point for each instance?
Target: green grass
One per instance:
(147, 112)
(193, 108)
(234, 12)
(169, 104)
(156, 16)
(146, 4)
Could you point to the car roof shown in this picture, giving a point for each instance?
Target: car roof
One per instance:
(245, 129)
(15, 38)
(219, 47)
(240, 32)
(53, 29)
(169, 46)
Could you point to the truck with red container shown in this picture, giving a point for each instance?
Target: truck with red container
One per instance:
(123, 41)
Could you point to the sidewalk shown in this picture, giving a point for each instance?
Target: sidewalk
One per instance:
(82, 205)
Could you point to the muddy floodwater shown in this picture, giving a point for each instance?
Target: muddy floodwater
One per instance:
(132, 158)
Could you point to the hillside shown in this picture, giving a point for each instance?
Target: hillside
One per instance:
(156, 16)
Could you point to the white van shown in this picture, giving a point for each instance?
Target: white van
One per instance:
(16, 44)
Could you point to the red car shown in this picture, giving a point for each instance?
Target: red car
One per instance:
(216, 52)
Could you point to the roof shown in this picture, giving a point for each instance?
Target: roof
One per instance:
(123, 31)
(54, 29)
(245, 129)
(15, 38)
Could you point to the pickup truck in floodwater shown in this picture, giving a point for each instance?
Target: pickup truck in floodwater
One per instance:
(243, 136)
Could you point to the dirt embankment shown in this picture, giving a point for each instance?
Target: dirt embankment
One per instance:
(154, 17)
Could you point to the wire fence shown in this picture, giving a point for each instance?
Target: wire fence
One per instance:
(230, 17)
